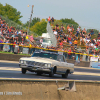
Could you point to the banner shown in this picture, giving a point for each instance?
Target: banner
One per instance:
(25, 50)
(95, 65)
(5, 47)
(94, 59)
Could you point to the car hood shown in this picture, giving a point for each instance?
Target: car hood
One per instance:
(39, 59)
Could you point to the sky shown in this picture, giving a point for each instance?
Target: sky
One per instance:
(85, 12)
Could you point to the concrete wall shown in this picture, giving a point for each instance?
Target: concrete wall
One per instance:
(11, 57)
(16, 57)
(32, 90)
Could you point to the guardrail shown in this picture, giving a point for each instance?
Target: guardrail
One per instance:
(7, 47)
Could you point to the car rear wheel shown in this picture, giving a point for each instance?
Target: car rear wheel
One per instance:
(65, 75)
(23, 71)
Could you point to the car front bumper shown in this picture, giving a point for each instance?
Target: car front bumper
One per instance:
(35, 68)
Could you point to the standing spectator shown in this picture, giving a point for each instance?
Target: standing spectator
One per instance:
(49, 19)
(52, 20)
(73, 55)
(1, 45)
(16, 50)
(11, 46)
(78, 32)
(69, 53)
(87, 52)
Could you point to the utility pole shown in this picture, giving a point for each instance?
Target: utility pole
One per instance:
(30, 19)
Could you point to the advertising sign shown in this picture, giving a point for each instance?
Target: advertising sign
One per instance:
(95, 59)
(95, 65)
(25, 50)
(5, 47)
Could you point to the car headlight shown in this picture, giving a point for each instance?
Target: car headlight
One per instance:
(47, 65)
(21, 61)
(24, 62)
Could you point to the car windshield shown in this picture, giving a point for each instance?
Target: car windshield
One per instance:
(45, 55)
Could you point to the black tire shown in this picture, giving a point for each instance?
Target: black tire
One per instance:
(65, 75)
(51, 73)
(23, 70)
(39, 73)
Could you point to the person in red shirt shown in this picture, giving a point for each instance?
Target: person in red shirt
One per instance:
(69, 54)
(49, 19)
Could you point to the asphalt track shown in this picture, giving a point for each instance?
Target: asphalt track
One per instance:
(10, 69)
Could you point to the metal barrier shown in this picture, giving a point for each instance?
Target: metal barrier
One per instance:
(29, 50)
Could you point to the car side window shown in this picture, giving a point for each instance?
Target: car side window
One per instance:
(60, 57)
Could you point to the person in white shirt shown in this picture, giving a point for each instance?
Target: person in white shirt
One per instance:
(55, 32)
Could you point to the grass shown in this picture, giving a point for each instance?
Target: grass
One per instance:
(13, 53)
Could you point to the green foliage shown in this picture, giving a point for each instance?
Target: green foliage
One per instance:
(70, 21)
(1, 9)
(10, 12)
(95, 31)
(39, 27)
(34, 20)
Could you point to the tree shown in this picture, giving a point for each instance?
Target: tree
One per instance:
(95, 31)
(39, 27)
(69, 21)
(1, 9)
(11, 13)
(34, 20)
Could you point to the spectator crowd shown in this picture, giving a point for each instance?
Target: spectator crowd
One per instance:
(69, 40)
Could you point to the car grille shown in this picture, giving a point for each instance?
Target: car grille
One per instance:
(35, 63)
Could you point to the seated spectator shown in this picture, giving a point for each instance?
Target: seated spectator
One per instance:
(84, 31)
(62, 28)
(98, 36)
(31, 38)
(72, 28)
(57, 27)
(55, 32)
(75, 42)
(92, 32)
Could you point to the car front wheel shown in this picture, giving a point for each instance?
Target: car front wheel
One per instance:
(23, 71)
(65, 75)
(51, 73)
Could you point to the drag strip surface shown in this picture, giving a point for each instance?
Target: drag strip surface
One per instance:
(10, 69)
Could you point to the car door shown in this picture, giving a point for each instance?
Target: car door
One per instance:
(60, 65)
